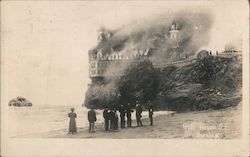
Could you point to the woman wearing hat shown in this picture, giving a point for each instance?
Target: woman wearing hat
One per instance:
(72, 122)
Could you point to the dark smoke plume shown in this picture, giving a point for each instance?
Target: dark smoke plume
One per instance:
(154, 34)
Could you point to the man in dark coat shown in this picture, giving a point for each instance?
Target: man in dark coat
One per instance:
(150, 112)
(116, 121)
(122, 116)
(106, 118)
(129, 120)
(138, 114)
(91, 119)
(111, 114)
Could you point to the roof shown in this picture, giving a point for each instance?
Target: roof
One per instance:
(174, 23)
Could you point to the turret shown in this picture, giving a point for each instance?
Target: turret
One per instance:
(174, 31)
(103, 34)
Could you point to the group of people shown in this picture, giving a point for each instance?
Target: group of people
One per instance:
(111, 118)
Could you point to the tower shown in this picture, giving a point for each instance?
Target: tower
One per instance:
(103, 34)
(174, 31)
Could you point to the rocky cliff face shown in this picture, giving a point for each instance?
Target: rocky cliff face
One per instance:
(139, 83)
(211, 83)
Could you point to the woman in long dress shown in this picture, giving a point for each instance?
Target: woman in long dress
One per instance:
(72, 122)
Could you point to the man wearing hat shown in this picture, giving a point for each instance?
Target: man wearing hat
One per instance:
(106, 118)
(129, 111)
(138, 114)
(122, 116)
(91, 119)
(150, 112)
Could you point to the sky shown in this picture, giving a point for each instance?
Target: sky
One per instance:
(44, 44)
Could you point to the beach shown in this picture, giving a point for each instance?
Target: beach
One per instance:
(213, 124)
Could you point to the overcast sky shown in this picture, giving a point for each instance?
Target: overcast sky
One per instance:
(45, 44)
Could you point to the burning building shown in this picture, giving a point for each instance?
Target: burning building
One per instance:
(160, 44)
(99, 62)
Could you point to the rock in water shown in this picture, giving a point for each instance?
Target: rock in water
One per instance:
(20, 102)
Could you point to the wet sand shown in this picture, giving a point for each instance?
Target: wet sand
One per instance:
(219, 124)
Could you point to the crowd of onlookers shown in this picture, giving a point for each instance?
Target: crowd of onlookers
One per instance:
(111, 118)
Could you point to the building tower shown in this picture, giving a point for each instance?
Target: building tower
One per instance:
(174, 31)
(103, 34)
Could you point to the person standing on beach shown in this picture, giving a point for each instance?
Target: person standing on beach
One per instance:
(72, 122)
(138, 114)
(129, 120)
(122, 116)
(112, 119)
(106, 118)
(116, 121)
(150, 112)
(91, 119)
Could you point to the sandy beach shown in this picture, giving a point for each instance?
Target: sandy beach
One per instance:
(216, 124)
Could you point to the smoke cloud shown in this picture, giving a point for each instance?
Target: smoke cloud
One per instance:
(154, 34)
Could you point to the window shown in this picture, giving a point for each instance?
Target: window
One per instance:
(92, 65)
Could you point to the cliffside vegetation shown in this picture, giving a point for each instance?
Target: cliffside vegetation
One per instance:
(211, 83)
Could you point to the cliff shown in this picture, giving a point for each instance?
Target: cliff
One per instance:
(210, 83)
(140, 82)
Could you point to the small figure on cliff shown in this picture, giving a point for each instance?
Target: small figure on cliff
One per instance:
(91, 119)
(72, 122)
(122, 116)
(150, 112)
(138, 114)
(129, 111)
(106, 118)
